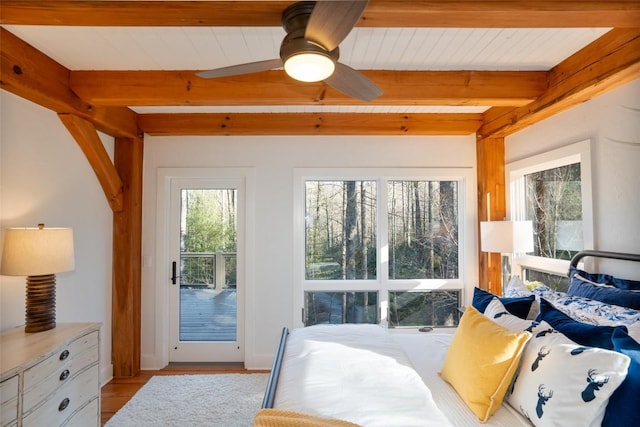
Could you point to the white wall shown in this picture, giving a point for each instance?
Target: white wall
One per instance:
(612, 123)
(45, 178)
(273, 159)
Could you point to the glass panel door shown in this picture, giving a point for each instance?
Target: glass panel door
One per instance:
(205, 321)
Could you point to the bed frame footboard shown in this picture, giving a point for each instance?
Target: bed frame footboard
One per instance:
(270, 392)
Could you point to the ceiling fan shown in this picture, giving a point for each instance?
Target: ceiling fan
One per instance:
(309, 52)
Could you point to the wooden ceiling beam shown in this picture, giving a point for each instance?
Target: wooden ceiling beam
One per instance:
(30, 74)
(609, 62)
(88, 139)
(379, 13)
(310, 124)
(149, 88)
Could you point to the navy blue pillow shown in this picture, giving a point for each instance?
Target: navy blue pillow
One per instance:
(607, 279)
(622, 409)
(518, 306)
(581, 333)
(606, 294)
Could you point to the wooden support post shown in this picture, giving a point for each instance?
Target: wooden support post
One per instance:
(491, 180)
(127, 246)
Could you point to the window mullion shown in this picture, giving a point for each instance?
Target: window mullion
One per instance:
(383, 248)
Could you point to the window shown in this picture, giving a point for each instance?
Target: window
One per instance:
(424, 308)
(340, 229)
(553, 190)
(381, 248)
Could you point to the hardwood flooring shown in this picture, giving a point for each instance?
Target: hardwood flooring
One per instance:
(117, 392)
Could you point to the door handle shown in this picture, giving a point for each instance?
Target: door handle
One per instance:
(173, 273)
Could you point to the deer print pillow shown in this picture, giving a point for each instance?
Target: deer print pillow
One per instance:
(562, 383)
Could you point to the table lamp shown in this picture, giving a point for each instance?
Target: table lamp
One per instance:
(506, 237)
(38, 253)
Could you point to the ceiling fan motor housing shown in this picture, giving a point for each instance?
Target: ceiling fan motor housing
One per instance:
(296, 16)
(294, 21)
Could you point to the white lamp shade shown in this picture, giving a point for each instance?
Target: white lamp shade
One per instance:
(37, 251)
(506, 236)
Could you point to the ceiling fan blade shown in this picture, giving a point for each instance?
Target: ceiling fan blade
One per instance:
(331, 21)
(248, 68)
(353, 83)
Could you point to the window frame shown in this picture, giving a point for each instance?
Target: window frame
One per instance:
(579, 152)
(467, 214)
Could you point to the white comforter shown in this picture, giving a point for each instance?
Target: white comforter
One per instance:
(366, 375)
(359, 375)
(427, 352)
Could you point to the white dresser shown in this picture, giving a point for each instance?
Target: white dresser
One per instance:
(50, 378)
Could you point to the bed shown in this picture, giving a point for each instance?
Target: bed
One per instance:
(531, 357)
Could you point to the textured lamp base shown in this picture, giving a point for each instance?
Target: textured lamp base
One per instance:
(41, 303)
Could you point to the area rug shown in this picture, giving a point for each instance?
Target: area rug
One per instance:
(225, 400)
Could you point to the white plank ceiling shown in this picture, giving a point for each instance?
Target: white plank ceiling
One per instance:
(200, 48)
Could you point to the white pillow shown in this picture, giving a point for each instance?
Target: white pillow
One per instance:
(498, 313)
(516, 288)
(562, 383)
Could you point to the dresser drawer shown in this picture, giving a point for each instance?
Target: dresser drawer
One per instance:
(59, 361)
(58, 407)
(65, 373)
(86, 416)
(9, 401)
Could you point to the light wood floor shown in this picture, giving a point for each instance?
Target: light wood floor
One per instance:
(117, 392)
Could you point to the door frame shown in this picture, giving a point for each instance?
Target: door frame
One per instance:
(162, 268)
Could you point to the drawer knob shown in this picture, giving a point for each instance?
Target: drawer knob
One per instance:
(63, 405)
(64, 355)
(64, 375)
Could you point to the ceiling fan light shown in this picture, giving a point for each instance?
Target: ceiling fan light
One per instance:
(309, 66)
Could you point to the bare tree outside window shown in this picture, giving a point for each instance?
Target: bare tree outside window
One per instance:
(340, 230)
(423, 230)
(342, 245)
(554, 204)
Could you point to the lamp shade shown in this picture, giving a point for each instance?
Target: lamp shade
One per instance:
(506, 236)
(37, 251)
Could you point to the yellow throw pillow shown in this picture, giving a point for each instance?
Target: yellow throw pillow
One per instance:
(481, 361)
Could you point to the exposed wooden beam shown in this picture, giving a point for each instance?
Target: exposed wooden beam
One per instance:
(609, 62)
(87, 138)
(126, 304)
(379, 13)
(491, 181)
(310, 124)
(32, 75)
(133, 88)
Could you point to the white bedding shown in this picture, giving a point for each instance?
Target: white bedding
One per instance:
(360, 375)
(371, 377)
(427, 352)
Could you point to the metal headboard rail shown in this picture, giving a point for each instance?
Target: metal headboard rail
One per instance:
(603, 254)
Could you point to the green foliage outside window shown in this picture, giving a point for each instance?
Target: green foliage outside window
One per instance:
(208, 225)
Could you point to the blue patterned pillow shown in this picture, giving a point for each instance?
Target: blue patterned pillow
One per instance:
(606, 279)
(607, 294)
(581, 333)
(622, 410)
(588, 310)
(518, 306)
(562, 383)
